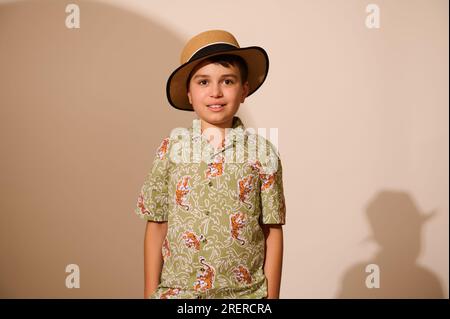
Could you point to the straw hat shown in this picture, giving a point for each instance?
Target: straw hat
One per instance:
(208, 44)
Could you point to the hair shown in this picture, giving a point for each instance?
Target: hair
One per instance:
(225, 60)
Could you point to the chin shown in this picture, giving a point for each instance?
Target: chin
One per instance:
(218, 119)
(214, 120)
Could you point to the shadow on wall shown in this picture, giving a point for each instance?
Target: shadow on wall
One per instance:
(396, 225)
(82, 113)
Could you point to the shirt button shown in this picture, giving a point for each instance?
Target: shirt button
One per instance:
(210, 183)
(207, 212)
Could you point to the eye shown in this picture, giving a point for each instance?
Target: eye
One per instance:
(228, 81)
(201, 82)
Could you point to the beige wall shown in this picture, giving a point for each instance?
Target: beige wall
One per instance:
(363, 136)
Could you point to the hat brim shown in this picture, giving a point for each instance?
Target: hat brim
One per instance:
(258, 66)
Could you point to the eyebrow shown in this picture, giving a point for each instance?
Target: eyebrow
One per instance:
(207, 76)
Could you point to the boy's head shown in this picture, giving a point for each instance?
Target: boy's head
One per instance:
(226, 60)
(216, 52)
(217, 86)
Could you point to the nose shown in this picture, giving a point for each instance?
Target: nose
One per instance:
(216, 90)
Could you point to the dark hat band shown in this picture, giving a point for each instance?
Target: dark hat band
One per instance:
(211, 49)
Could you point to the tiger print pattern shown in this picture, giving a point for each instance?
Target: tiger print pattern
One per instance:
(182, 192)
(237, 222)
(192, 240)
(242, 274)
(214, 209)
(205, 277)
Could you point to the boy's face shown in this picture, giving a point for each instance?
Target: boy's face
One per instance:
(212, 84)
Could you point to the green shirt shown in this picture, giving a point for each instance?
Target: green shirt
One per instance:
(214, 247)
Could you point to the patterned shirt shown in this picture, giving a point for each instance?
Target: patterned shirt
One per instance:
(214, 201)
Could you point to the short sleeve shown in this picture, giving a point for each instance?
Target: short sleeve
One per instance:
(152, 203)
(273, 207)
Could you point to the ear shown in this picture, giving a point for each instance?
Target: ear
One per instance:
(245, 90)
(189, 97)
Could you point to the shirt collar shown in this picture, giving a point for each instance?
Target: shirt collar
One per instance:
(233, 133)
(237, 128)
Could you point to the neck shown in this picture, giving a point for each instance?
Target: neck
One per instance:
(213, 134)
(221, 126)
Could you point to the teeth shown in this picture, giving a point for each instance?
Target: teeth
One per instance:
(215, 106)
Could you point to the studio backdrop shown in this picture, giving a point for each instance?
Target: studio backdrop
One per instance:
(358, 92)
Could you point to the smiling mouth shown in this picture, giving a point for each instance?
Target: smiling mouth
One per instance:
(216, 106)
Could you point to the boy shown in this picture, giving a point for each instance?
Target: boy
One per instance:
(214, 220)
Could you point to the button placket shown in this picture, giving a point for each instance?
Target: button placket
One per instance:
(210, 184)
